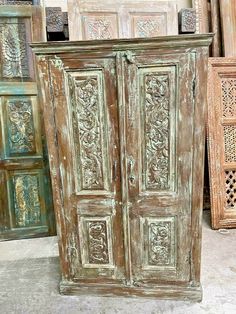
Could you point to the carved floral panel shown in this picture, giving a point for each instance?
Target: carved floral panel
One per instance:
(100, 26)
(89, 130)
(13, 50)
(26, 197)
(149, 26)
(156, 130)
(96, 242)
(160, 243)
(21, 133)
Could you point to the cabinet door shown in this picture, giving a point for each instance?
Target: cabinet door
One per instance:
(159, 154)
(25, 196)
(105, 19)
(86, 120)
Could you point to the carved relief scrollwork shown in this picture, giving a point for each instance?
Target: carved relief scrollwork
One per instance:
(26, 200)
(20, 126)
(160, 243)
(157, 131)
(88, 132)
(97, 242)
(13, 50)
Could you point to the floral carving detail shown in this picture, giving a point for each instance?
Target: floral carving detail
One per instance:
(228, 97)
(21, 128)
(26, 199)
(100, 29)
(13, 49)
(88, 132)
(98, 244)
(160, 243)
(157, 131)
(148, 28)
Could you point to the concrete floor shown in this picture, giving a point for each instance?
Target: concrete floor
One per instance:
(29, 276)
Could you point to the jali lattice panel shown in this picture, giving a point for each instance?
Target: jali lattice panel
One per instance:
(222, 141)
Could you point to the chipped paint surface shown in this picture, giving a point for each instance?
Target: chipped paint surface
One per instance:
(137, 233)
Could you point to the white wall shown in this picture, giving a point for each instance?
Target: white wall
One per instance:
(63, 3)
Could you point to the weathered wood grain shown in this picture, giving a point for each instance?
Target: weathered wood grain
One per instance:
(127, 177)
(221, 140)
(202, 19)
(228, 24)
(216, 48)
(121, 19)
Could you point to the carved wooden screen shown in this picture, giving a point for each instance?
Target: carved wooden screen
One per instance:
(121, 19)
(228, 24)
(25, 202)
(222, 141)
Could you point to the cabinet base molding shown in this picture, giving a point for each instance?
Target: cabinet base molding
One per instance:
(190, 293)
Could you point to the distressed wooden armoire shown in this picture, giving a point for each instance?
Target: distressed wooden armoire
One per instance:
(125, 132)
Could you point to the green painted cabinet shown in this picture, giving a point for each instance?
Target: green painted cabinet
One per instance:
(25, 196)
(125, 132)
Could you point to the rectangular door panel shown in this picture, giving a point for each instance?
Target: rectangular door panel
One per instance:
(121, 19)
(160, 119)
(88, 143)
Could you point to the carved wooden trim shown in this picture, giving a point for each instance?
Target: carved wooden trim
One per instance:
(202, 21)
(221, 141)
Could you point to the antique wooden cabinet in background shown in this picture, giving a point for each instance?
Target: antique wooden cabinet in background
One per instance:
(25, 195)
(125, 132)
(222, 141)
(105, 19)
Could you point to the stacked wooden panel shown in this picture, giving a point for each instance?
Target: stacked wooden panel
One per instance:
(90, 19)
(25, 202)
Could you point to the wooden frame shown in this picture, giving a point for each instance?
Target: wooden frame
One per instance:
(221, 124)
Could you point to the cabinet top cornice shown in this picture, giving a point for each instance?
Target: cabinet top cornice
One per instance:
(178, 41)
